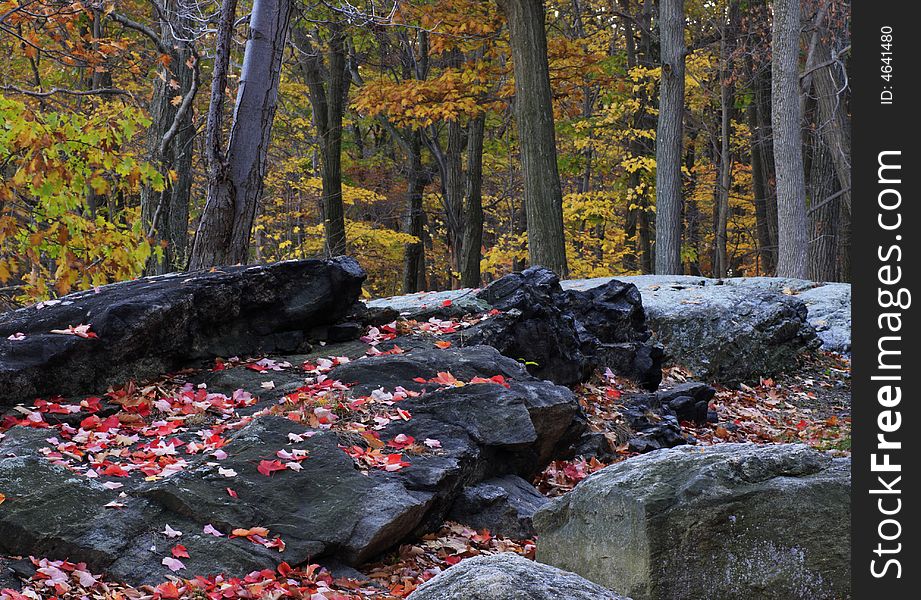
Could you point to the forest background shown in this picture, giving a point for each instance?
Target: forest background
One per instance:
(444, 143)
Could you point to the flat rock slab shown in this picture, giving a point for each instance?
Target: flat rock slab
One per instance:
(323, 507)
(507, 576)
(731, 521)
(154, 325)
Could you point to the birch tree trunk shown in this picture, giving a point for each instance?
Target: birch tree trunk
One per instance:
(786, 121)
(543, 196)
(669, 136)
(236, 176)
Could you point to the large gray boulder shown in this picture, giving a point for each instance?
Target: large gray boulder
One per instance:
(731, 521)
(153, 325)
(722, 332)
(508, 576)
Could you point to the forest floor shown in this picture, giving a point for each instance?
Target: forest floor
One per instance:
(810, 406)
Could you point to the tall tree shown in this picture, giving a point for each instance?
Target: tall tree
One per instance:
(543, 195)
(786, 117)
(165, 213)
(328, 86)
(236, 174)
(669, 137)
(473, 205)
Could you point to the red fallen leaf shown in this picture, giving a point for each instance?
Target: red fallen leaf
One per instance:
(115, 471)
(231, 492)
(168, 590)
(612, 393)
(802, 425)
(284, 569)
(395, 462)
(446, 303)
(494, 312)
(90, 422)
(420, 380)
(219, 365)
(443, 344)
(267, 467)
(402, 441)
(91, 405)
(444, 378)
(179, 551)
(494, 379)
(453, 560)
(240, 532)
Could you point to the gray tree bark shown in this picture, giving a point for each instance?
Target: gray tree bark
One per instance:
(236, 175)
(786, 121)
(543, 195)
(165, 214)
(669, 137)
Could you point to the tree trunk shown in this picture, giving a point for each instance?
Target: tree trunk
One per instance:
(327, 90)
(543, 196)
(414, 222)
(669, 137)
(236, 176)
(786, 118)
(165, 214)
(725, 173)
(473, 205)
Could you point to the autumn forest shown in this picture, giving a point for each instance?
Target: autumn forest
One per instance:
(443, 143)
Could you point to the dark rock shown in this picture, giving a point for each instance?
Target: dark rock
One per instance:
(564, 337)
(652, 428)
(687, 401)
(503, 505)
(730, 521)
(507, 576)
(560, 336)
(158, 324)
(593, 444)
(327, 510)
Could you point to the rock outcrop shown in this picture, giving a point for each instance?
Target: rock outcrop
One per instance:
(507, 576)
(724, 333)
(153, 325)
(560, 336)
(107, 488)
(731, 521)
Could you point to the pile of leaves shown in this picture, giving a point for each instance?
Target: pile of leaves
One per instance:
(395, 576)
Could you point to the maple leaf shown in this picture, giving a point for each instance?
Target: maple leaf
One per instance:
(267, 467)
(231, 492)
(240, 532)
(170, 532)
(443, 344)
(402, 441)
(168, 590)
(82, 331)
(179, 551)
(173, 564)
